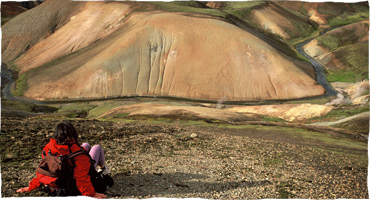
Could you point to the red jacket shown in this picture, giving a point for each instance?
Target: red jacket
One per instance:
(81, 170)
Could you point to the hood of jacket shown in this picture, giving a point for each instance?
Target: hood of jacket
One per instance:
(56, 148)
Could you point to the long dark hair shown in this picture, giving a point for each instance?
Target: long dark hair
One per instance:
(65, 134)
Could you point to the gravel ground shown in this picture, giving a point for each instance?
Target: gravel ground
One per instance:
(177, 161)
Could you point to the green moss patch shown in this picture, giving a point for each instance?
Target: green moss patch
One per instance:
(189, 7)
(242, 9)
(347, 111)
(356, 57)
(345, 19)
(352, 53)
(27, 107)
(76, 110)
(21, 85)
(342, 76)
(99, 110)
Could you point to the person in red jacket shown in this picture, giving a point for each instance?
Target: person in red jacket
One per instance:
(63, 142)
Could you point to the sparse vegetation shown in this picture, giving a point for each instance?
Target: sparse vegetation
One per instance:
(341, 112)
(348, 111)
(329, 41)
(348, 19)
(356, 57)
(334, 41)
(303, 30)
(76, 110)
(329, 140)
(239, 163)
(343, 76)
(242, 9)
(101, 109)
(356, 61)
(21, 85)
(120, 115)
(5, 19)
(27, 107)
(320, 101)
(351, 51)
(16, 105)
(242, 5)
(284, 190)
(184, 7)
(183, 155)
(275, 159)
(271, 119)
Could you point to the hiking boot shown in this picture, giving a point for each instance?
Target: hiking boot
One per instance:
(105, 170)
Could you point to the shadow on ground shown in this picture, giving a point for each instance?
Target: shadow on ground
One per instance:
(159, 184)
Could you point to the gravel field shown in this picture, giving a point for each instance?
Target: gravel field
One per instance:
(187, 161)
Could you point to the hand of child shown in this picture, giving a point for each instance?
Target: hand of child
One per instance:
(21, 190)
(99, 196)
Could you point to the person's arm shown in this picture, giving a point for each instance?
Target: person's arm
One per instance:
(82, 177)
(81, 174)
(21, 190)
(34, 184)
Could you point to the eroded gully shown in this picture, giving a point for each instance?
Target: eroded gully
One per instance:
(321, 77)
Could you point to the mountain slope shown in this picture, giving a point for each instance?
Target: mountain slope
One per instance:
(344, 51)
(329, 13)
(31, 27)
(125, 53)
(269, 17)
(9, 10)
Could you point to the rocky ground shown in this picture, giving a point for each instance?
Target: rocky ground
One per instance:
(178, 160)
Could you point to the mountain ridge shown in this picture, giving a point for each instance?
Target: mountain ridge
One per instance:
(120, 58)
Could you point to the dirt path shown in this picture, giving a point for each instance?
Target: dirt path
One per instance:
(347, 119)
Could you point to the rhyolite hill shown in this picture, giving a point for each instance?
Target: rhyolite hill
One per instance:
(344, 51)
(73, 50)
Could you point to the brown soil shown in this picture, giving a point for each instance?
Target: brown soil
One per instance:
(183, 161)
(199, 112)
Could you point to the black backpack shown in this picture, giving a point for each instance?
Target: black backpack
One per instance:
(61, 168)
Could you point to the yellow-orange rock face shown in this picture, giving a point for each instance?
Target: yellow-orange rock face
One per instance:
(288, 112)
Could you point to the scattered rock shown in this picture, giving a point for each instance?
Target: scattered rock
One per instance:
(150, 161)
(193, 135)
